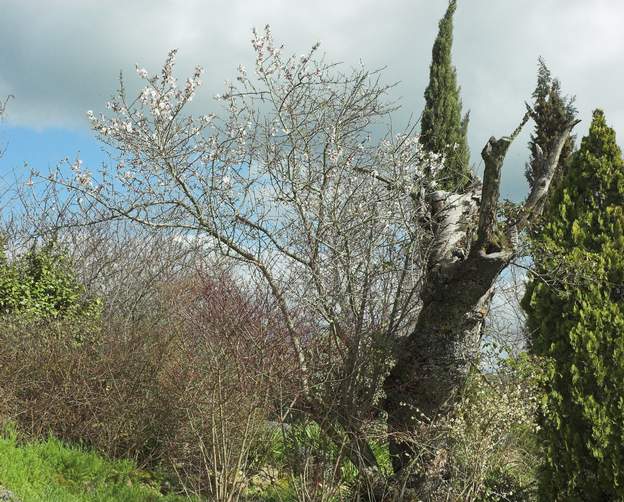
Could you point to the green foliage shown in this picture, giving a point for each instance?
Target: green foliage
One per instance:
(301, 454)
(551, 112)
(304, 441)
(576, 320)
(40, 285)
(443, 130)
(50, 471)
(280, 491)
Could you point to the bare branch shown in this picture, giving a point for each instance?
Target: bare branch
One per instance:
(289, 181)
(493, 155)
(539, 191)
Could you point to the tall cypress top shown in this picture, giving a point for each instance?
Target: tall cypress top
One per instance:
(443, 130)
(551, 111)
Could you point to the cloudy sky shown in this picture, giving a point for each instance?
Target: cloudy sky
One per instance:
(60, 58)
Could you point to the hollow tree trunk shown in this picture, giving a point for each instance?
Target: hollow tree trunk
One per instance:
(435, 359)
(470, 249)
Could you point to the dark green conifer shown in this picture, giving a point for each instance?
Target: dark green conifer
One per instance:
(443, 130)
(575, 308)
(551, 110)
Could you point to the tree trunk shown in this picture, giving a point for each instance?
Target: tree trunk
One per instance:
(433, 362)
(470, 250)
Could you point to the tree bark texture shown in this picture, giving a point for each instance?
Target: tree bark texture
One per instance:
(471, 249)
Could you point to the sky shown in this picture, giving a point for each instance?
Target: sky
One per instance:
(60, 58)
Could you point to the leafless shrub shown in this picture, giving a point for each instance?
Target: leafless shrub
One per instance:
(188, 390)
(318, 482)
(236, 352)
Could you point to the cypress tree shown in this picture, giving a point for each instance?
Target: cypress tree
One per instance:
(576, 322)
(443, 130)
(551, 110)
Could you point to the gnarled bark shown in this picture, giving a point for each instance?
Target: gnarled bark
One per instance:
(469, 253)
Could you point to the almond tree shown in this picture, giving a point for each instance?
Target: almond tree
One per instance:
(290, 183)
(370, 263)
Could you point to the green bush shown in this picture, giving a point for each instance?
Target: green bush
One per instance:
(40, 285)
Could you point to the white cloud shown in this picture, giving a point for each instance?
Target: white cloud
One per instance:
(64, 61)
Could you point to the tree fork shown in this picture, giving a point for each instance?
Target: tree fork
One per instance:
(433, 362)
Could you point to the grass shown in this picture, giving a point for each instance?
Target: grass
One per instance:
(49, 471)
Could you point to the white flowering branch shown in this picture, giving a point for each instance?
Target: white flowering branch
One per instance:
(290, 180)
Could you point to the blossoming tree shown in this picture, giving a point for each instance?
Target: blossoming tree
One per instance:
(381, 278)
